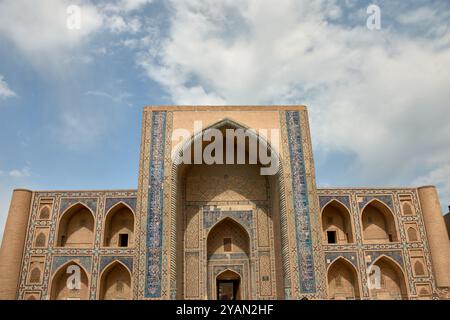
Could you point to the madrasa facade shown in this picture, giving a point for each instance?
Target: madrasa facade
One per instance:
(219, 217)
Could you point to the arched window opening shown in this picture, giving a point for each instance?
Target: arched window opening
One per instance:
(76, 228)
(119, 227)
(336, 224)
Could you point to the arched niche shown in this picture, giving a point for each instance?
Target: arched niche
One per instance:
(228, 236)
(115, 282)
(196, 185)
(40, 240)
(343, 281)
(419, 269)
(79, 290)
(412, 234)
(35, 275)
(76, 227)
(336, 224)
(407, 209)
(392, 281)
(44, 213)
(378, 223)
(119, 227)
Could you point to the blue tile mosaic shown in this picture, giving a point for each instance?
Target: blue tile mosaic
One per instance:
(155, 206)
(323, 200)
(301, 204)
(104, 261)
(387, 200)
(91, 203)
(110, 202)
(84, 261)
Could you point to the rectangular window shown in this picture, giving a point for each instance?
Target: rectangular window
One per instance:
(391, 238)
(123, 240)
(227, 244)
(331, 236)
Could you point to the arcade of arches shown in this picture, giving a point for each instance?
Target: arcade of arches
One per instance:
(197, 230)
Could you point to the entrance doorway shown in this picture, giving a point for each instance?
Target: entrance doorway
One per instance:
(228, 286)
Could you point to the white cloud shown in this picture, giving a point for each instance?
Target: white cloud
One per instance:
(5, 91)
(381, 95)
(39, 29)
(119, 24)
(126, 5)
(20, 173)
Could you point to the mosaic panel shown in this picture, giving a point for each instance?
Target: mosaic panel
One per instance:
(300, 203)
(84, 261)
(386, 199)
(351, 257)
(110, 202)
(155, 207)
(323, 200)
(91, 203)
(104, 261)
(214, 214)
(396, 255)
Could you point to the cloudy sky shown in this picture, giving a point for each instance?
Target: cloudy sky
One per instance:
(71, 99)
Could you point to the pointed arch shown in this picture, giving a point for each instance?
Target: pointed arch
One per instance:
(337, 223)
(412, 234)
(342, 279)
(378, 223)
(40, 241)
(181, 170)
(177, 156)
(118, 227)
(232, 280)
(115, 282)
(407, 209)
(228, 228)
(76, 227)
(58, 284)
(393, 280)
(418, 269)
(35, 275)
(44, 213)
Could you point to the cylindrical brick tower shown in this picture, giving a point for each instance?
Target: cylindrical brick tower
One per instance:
(13, 243)
(437, 234)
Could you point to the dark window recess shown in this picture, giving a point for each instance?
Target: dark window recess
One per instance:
(63, 240)
(123, 240)
(227, 244)
(331, 236)
(391, 238)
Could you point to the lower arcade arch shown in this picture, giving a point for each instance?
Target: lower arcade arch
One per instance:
(391, 284)
(115, 283)
(343, 283)
(70, 282)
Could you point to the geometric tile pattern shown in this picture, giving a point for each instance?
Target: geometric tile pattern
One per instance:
(155, 206)
(55, 257)
(301, 204)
